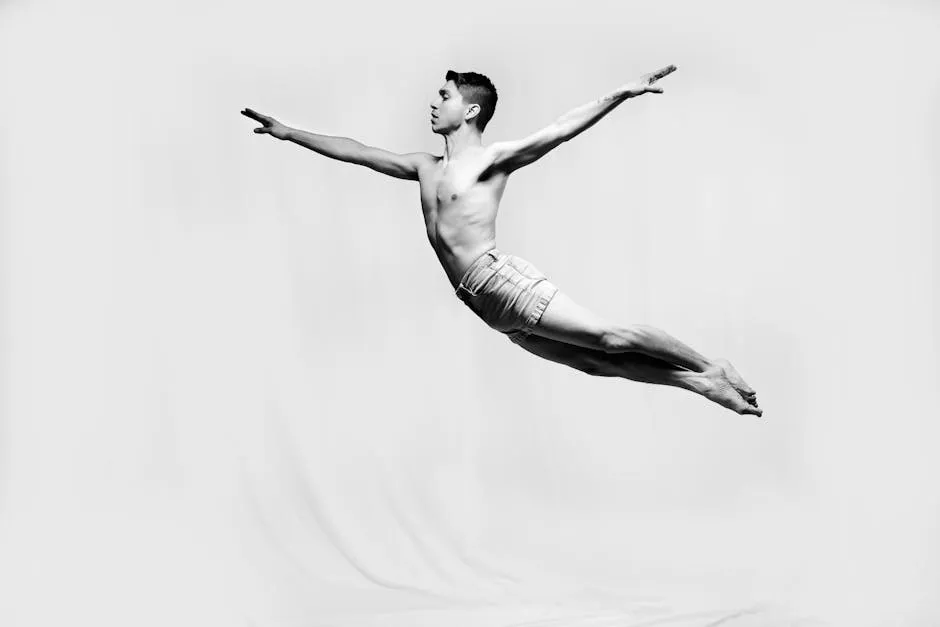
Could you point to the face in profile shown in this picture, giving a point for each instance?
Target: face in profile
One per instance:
(447, 109)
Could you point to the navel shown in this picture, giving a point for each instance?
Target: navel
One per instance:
(453, 196)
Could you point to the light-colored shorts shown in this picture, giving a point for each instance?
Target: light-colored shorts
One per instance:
(507, 292)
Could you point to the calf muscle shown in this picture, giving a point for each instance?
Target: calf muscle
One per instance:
(633, 366)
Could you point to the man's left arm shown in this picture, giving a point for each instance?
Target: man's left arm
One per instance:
(512, 155)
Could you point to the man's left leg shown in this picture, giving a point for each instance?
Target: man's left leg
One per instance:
(633, 366)
(713, 384)
(566, 321)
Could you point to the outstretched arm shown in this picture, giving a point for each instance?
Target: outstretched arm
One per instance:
(403, 166)
(512, 155)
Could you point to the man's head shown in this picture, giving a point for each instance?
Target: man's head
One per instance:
(466, 98)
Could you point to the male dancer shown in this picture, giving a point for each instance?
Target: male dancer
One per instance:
(460, 194)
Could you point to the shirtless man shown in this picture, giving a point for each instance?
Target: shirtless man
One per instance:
(460, 194)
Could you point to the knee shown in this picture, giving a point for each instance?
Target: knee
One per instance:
(592, 367)
(617, 339)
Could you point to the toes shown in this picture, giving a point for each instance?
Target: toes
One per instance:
(745, 406)
(744, 390)
(744, 386)
(728, 395)
(753, 410)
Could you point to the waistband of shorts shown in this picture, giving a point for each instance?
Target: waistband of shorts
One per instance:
(493, 254)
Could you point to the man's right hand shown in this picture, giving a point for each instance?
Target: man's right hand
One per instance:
(270, 125)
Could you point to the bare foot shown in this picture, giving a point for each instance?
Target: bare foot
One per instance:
(714, 385)
(746, 391)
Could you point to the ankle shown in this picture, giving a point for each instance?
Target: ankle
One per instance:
(692, 381)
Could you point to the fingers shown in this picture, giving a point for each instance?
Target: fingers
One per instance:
(254, 115)
(265, 120)
(666, 71)
(647, 80)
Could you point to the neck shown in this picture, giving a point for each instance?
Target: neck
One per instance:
(462, 139)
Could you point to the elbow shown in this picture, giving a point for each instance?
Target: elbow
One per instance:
(354, 152)
(563, 132)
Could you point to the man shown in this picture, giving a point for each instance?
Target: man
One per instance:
(460, 194)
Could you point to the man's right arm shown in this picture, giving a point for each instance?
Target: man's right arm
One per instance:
(402, 166)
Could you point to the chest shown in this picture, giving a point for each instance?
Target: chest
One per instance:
(453, 183)
(456, 180)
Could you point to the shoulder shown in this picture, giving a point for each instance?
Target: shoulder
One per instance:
(424, 158)
(494, 156)
(497, 152)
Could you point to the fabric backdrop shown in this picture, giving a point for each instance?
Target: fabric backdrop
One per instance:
(238, 388)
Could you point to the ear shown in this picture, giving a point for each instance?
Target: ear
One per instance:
(472, 111)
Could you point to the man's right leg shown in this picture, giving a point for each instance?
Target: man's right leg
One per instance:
(711, 384)
(566, 321)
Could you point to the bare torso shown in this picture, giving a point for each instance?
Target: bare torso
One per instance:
(459, 204)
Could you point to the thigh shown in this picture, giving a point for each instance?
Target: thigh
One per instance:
(566, 321)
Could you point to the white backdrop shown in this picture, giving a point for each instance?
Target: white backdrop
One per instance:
(238, 389)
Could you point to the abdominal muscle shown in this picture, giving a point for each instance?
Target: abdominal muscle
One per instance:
(460, 234)
(463, 228)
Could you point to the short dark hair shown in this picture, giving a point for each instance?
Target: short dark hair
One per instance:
(477, 89)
